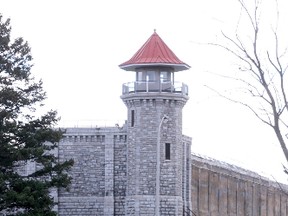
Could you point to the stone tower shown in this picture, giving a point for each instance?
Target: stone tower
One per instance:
(158, 155)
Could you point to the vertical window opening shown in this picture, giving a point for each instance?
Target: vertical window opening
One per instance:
(165, 76)
(167, 151)
(140, 76)
(150, 76)
(132, 118)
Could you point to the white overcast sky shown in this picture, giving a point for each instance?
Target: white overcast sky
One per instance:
(78, 45)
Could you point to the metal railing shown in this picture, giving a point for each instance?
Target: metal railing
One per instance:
(146, 87)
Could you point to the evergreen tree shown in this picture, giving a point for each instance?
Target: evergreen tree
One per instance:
(25, 138)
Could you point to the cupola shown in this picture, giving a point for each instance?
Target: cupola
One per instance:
(154, 52)
(154, 64)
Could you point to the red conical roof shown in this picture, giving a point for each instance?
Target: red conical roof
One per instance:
(154, 52)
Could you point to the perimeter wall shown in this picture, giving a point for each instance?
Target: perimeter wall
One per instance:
(226, 190)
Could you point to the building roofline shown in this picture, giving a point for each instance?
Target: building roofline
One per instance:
(177, 67)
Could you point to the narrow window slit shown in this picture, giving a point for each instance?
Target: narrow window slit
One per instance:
(167, 151)
(132, 118)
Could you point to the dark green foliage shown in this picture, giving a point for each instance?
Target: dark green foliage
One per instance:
(25, 138)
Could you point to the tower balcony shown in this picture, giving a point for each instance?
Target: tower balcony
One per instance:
(139, 87)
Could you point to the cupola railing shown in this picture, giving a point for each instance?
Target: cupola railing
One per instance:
(150, 86)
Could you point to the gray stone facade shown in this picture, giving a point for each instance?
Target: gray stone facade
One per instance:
(212, 187)
(99, 173)
(103, 179)
(144, 134)
(144, 167)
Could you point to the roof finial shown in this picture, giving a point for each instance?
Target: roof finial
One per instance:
(154, 30)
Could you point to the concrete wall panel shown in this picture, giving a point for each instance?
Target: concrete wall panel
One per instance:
(226, 190)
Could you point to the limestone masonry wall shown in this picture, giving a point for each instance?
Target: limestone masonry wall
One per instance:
(99, 185)
(97, 180)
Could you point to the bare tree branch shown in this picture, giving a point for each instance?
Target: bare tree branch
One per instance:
(268, 86)
(244, 104)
